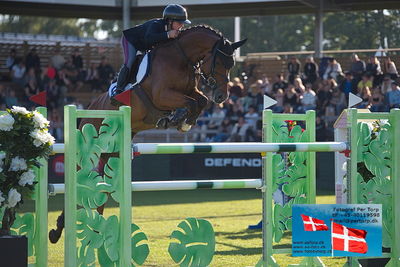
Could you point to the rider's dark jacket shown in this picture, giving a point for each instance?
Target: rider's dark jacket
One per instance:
(143, 37)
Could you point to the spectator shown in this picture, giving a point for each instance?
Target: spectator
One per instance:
(259, 97)
(57, 60)
(390, 68)
(223, 130)
(236, 90)
(77, 60)
(279, 97)
(374, 68)
(299, 86)
(393, 96)
(247, 101)
(240, 132)
(333, 70)
(287, 108)
(348, 85)
(50, 73)
(235, 110)
(293, 69)
(30, 75)
(320, 129)
(31, 89)
(53, 94)
(265, 85)
(33, 61)
(386, 84)
(92, 77)
(2, 97)
(18, 72)
(310, 71)
(11, 59)
(279, 83)
(106, 73)
(216, 119)
(324, 94)
(252, 117)
(11, 100)
(309, 99)
(365, 95)
(377, 100)
(71, 76)
(201, 125)
(337, 101)
(366, 81)
(56, 125)
(291, 97)
(357, 67)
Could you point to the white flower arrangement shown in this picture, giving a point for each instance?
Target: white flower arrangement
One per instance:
(27, 178)
(41, 137)
(1, 198)
(6, 122)
(2, 157)
(18, 164)
(40, 121)
(21, 110)
(13, 198)
(24, 138)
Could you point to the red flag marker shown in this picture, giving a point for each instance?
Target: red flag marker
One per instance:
(349, 239)
(313, 224)
(39, 99)
(124, 97)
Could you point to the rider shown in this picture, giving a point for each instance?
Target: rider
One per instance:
(145, 36)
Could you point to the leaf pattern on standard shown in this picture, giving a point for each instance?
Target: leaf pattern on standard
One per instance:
(374, 169)
(90, 229)
(196, 245)
(107, 134)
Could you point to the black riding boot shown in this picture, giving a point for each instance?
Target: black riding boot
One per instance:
(122, 79)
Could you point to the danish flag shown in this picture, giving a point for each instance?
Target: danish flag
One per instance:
(312, 224)
(348, 239)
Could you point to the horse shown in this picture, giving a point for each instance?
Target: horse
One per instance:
(168, 96)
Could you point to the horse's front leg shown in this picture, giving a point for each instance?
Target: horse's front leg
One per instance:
(202, 101)
(183, 105)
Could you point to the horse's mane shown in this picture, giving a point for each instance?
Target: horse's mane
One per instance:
(201, 27)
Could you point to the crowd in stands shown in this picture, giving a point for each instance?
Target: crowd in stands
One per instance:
(323, 87)
(64, 73)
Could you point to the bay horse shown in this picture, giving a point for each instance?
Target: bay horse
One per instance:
(199, 53)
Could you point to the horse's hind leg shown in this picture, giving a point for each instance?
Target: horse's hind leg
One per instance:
(55, 234)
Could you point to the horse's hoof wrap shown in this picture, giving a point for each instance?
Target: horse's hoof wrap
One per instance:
(162, 123)
(185, 127)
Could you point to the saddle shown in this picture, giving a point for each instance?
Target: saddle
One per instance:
(141, 68)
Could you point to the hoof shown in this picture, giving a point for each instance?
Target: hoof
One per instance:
(184, 127)
(54, 236)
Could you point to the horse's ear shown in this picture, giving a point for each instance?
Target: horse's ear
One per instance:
(238, 44)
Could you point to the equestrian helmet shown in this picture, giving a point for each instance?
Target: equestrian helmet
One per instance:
(176, 12)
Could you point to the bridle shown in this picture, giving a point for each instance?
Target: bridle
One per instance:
(209, 79)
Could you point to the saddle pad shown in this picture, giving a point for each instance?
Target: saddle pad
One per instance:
(142, 72)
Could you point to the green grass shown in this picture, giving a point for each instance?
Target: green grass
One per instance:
(229, 211)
